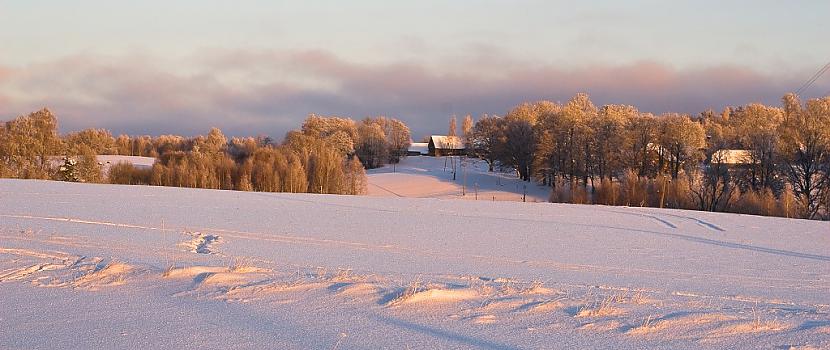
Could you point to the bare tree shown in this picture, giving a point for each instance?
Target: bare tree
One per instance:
(711, 187)
(485, 140)
(519, 144)
(641, 139)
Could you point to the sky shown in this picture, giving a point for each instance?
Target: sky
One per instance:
(260, 67)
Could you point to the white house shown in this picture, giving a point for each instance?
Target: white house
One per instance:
(418, 149)
(732, 157)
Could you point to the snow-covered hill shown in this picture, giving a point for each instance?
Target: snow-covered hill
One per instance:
(108, 161)
(138, 162)
(103, 266)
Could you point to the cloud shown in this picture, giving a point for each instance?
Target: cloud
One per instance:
(248, 92)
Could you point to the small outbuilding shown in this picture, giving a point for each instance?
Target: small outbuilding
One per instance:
(732, 157)
(418, 149)
(446, 146)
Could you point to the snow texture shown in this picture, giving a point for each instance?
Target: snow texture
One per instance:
(111, 267)
(432, 177)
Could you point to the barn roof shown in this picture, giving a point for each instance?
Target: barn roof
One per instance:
(446, 142)
(420, 147)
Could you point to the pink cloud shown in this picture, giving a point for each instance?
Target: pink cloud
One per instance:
(251, 92)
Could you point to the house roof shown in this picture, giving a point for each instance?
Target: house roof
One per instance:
(732, 156)
(446, 142)
(420, 147)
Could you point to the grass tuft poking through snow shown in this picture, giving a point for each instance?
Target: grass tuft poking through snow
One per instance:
(605, 307)
(416, 293)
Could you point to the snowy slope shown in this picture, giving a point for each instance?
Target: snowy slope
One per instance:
(107, 162)
(432, 177)
(103, 266)
(136, 161)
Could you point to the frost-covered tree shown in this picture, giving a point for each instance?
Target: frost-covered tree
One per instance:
(100, 141)
(340, 132)
(805, 151)
(682, 140)
(398, 139)
(755, 129)
(87, 167)
(371, 147)
(355, 180)
(608, 140)
(27, 143)
(467, 126)
(571, 132)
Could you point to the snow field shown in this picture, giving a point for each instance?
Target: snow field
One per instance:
(123, 266)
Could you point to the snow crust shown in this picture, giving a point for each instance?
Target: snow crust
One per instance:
(112, 267)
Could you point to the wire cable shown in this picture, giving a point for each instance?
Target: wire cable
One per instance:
(813, 79)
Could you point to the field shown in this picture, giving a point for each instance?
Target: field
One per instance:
(430, 177)
(104, 266)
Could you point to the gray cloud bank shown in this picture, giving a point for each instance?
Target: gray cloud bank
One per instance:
(271, 92)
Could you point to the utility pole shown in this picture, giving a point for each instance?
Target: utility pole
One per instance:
(453, 168)
(464, 179)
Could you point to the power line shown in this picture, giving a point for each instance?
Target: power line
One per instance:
(812, 79)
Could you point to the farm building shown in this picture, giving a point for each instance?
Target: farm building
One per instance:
(732, 157)
(445, 146)
(418, 149)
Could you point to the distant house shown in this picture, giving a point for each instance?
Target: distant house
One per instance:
(445, 146)
(418, 149)
(732, 157)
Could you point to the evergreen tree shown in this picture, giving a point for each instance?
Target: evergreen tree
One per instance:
(68, 171)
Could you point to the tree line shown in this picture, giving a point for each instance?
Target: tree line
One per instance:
(617, 155)
(326, 155)
(613, 155)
